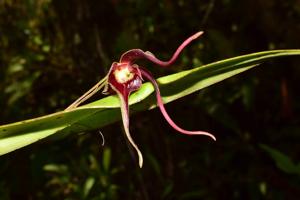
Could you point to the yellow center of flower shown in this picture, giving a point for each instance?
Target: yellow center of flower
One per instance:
(123, 75)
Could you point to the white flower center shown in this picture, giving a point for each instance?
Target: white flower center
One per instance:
(123, 75)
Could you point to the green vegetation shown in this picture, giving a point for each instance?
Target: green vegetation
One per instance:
(52, 51)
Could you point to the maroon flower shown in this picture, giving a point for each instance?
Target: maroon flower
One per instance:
(125, 77)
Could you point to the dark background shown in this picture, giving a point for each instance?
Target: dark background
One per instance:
(52, 51)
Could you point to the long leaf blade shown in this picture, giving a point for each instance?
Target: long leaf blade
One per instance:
(105, 111)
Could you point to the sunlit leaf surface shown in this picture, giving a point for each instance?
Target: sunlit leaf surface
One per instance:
(105, 111)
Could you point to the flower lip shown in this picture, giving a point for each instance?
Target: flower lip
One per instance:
(125, 77)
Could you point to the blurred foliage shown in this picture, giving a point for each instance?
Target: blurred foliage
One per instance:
(283, 162)
(52, 51)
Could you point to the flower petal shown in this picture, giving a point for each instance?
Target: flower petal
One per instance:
(123, 89)
(134, 54)
(125, 118)
(160, 103)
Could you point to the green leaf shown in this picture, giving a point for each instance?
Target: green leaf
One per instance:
(56, 168)
(282, 161)
(106, 159)
(105, 111)
(88, 185)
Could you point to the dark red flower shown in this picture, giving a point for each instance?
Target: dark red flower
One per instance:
(125, 77)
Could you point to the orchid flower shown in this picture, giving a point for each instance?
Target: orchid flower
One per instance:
(125, 76)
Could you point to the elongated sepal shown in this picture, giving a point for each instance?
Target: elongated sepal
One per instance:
(160, 103)
(123, 79)
(125, 119)
(101, 84)
(135, 54)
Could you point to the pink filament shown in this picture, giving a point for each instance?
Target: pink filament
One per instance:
(160, 103)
